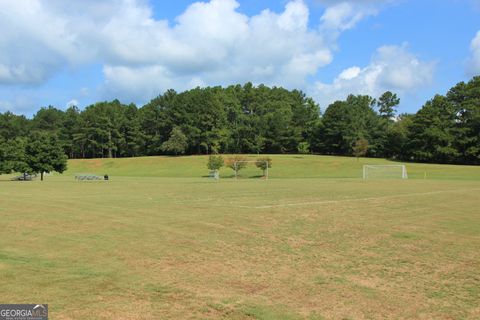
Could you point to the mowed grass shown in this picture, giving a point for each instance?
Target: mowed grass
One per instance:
(158, 241)
(284, 166)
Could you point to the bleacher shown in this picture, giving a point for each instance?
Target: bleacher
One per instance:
(87, 177)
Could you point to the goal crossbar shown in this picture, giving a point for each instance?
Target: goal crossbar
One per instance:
(250, 161)
(369, 167)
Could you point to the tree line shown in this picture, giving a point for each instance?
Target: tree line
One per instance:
(259, 119)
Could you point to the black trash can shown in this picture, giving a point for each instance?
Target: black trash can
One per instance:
(105, 177)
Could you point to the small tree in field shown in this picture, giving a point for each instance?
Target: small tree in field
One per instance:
(360, 148)
(236, 164)
(264, 164)
(215, 162)
(177, 143)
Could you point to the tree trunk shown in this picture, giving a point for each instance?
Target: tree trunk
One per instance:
(41, 176)
(110, 145)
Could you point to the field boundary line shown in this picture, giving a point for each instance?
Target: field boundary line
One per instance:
(299, 204)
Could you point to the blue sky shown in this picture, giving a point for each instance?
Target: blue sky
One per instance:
(58, 52)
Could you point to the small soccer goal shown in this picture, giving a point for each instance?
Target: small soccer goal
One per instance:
(251, 169)
(384, 172)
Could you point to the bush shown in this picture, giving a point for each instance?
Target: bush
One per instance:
(215, 162)
(264, 163)
(239, 165)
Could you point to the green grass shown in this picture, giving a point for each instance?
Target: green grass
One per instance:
(158, 241)
(292, 166)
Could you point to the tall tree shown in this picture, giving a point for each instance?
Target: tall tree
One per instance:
(48, 119)
(397, 137)
(432, 131)
(13, 126)
(465, 99)
(155, 123)
(131, 131)
(44, 153)
(344, 122)
(68, 130)
(13, 157)
(387, 104)
(336, 125)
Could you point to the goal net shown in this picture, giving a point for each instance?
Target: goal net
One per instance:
(385, 172)
(249, 169)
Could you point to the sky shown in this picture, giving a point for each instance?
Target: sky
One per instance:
(63, 53)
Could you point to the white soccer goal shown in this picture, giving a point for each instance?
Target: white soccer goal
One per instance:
(385, 172)
(237, 163)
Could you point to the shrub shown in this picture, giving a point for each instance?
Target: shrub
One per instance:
(264, 163)
(234, 164)
(215, 162)
(303, 148)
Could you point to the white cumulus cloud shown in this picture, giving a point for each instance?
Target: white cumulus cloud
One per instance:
(391, 68)
(344, 15)
(473, 67)
(72, 103)
(341, 15)
(210, 43)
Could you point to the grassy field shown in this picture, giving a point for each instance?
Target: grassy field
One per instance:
(315, 241)
(299, 166)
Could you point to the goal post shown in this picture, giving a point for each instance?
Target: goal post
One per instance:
(237, 166)
(384, 172)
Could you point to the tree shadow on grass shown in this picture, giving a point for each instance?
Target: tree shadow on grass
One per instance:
(257, 177)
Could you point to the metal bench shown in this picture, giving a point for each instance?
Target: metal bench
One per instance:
(87, 177)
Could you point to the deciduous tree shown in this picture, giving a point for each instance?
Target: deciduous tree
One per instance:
(360, 148)
(177, 143)
(44, 153)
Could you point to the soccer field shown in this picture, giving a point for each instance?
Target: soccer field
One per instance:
(159, 241)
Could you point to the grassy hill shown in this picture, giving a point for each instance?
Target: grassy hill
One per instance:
(284, 166)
